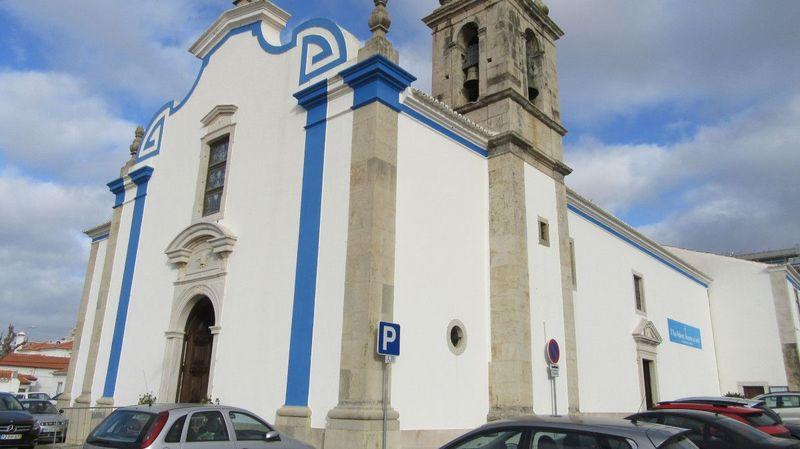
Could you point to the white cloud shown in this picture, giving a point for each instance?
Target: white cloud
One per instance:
(52, 124)
(735, 183)
(42, 250)
(120, 46)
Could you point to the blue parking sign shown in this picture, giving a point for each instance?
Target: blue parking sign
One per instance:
(388, 339)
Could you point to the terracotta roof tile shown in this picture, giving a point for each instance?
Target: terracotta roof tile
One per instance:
(5, 374)
(44, 345)
(26, 379)
(35, 361)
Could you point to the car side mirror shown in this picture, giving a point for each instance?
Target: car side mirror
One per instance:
(272, 436)
(61, 411)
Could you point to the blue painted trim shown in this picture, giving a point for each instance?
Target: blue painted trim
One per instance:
(634, 244)
(314, 99)
(140, 177)
(100, 238)
(436, 126)
(793, 282)
(117, 187)
(156, 124)
(377, 79)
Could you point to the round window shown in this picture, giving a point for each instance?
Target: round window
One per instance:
(456, 337)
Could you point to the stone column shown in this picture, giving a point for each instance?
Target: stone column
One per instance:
(97, 234)
(786, 332)
(570, 338)
(510, 367)
(117, 187)
(171, 367)
(357, 421)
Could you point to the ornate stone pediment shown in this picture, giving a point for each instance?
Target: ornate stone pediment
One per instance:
(647, 334)
(201, 249)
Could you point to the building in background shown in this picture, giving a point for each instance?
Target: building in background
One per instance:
(35, 372)
(789, 256)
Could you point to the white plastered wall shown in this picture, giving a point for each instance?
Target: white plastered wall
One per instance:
(544, 266)
(606, 316)
(441, 274)
(743, 310)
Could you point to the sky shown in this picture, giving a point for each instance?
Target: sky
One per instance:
(683, 119)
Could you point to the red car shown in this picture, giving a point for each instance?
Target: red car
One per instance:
(750, 416)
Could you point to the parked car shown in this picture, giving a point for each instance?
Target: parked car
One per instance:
(792, 425)
(53, 424)
(187, 427)
(33, 395)
(572, 432)
(763, 421)
(786, 404)
(710, 430)
(18, 428)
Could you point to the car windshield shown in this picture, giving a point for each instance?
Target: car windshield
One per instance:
(42, 396)
(8, 402)
(40, 408)
(123, 428)
(678, 442)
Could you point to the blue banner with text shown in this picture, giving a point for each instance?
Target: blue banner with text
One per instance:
(683, 334)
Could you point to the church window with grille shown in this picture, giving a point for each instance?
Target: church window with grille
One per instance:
(215, 179)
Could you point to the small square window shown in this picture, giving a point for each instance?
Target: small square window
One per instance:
(544, 232)
(638, 290)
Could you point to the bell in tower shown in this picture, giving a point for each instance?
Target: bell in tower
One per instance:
(471, 63)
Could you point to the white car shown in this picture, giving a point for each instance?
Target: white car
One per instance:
(786, 404)
(38, 395)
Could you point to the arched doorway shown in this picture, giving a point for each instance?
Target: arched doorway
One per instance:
(196, 359)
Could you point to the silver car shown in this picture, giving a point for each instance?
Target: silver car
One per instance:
(786, 404)
(187, 426)
(53, 424)
(572, 432)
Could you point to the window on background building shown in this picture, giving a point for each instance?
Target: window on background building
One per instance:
(215, 179)
(638, 291)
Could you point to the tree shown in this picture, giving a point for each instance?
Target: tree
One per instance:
(7, 341)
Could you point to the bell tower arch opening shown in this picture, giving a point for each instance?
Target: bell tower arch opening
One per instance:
(471, 62)
(195, 366)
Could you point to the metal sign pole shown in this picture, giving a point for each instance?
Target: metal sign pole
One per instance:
(385, 393)
(555, 397)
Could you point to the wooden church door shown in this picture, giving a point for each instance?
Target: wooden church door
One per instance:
(196, 363)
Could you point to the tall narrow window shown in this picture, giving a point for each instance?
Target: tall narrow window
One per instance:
(215, 180)
(572, 264)
(638, 290)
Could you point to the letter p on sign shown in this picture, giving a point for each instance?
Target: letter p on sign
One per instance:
(388, 339)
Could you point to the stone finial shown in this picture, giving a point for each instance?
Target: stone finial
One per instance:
(378, 44)
(379, 20)
(137, 141)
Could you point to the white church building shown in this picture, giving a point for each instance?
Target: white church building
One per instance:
(302, 191)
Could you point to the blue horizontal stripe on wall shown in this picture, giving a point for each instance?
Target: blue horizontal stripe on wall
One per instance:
(436, 126)
(315, 100)
(140, 177)
(634, 244)
(793, 282)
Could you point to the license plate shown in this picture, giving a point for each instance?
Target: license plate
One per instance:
(11, 437)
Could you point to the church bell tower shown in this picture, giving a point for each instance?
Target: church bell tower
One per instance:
(494, 61)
